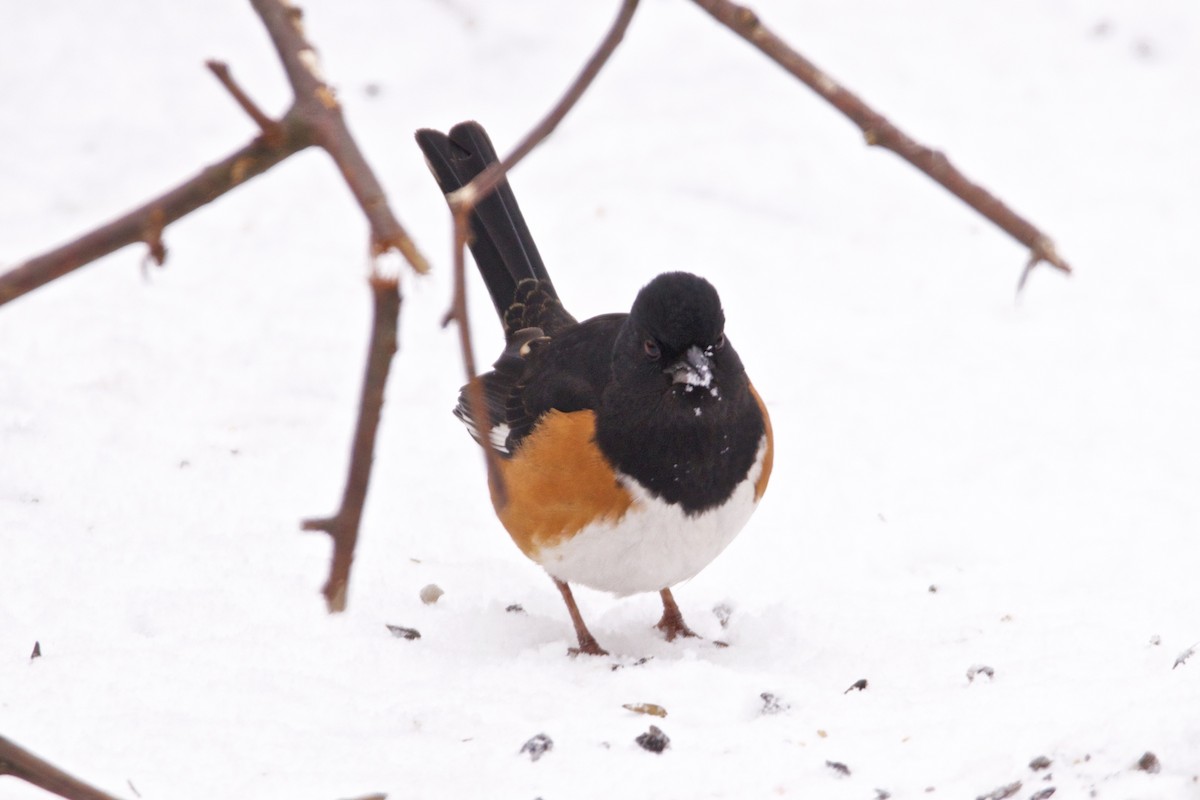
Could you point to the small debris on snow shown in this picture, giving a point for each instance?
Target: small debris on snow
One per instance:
(882, 794)
(1043, 794)
(838, 767)
(652, 709)
(431, 593)
(538, 746)
(1184, 656)
(1149, 763)
(37, 651)
(822, 734)
(1040, 762)
(404, 633)
(723, 611)
(637, 663)
(933, 589)
(515, 608)
(980, 669)
(859, 684)
(653, 740)
(1002, 792)
(772, 704)
(1156, 640)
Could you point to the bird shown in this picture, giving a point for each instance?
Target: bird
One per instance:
(632, 446)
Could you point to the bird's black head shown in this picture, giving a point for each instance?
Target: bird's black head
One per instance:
(674, 338)
(679, 310)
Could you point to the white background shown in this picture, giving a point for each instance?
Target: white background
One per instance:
(1034, 460)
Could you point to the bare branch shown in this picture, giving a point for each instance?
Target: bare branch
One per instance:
(343, 526)
(315, 117)
(20, 763)
(272, 131)
(487, 180)
(877, 130)
(316, 107)
(145, 223)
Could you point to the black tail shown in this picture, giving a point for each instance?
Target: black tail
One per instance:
(501, 243)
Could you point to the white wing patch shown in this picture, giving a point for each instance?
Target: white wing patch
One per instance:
(499, 433)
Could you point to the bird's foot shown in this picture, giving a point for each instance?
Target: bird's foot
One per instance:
(587, 647)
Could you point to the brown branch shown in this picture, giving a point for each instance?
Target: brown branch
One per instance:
(462, 203)
(272, 131)
(316, 107)
(879, 131)
(343, 526)
(145, 223)
(315, 118)
(487, 180)
(20, 763)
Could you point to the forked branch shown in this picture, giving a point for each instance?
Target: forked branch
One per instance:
(314, 118)
(877, 130)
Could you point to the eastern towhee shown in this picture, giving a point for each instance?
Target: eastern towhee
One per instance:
(632, 447)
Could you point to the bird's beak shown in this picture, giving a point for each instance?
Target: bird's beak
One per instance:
(694, 369)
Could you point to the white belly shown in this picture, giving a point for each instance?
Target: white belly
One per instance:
(655, 545)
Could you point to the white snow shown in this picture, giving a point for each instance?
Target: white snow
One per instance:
(963, 479)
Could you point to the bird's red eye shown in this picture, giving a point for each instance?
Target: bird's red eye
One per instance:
(652, 349)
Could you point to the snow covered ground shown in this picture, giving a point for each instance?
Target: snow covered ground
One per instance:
(963, 479)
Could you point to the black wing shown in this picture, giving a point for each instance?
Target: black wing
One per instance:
(537, 374)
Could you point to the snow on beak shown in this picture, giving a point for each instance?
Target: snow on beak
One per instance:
(694, 369)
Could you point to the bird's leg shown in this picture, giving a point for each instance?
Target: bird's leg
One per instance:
(672, 623)
(587, 643)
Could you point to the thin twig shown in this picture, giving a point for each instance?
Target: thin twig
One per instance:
(343, 526)
(487, 180)
(272, 131)
(462, 203)
(877, 130)
(20, 763)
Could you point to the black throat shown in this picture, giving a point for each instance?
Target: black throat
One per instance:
(695, 460)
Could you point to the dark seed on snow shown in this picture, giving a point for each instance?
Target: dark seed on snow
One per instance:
(404, 633)
(980, 669)
(1041, 762)
(1149, 763)
(859, 684)
(838, 767)
(773, 704)
(1002, 792)
(515, 608)
(654, 740)
(1043, 794)
(538, 746)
